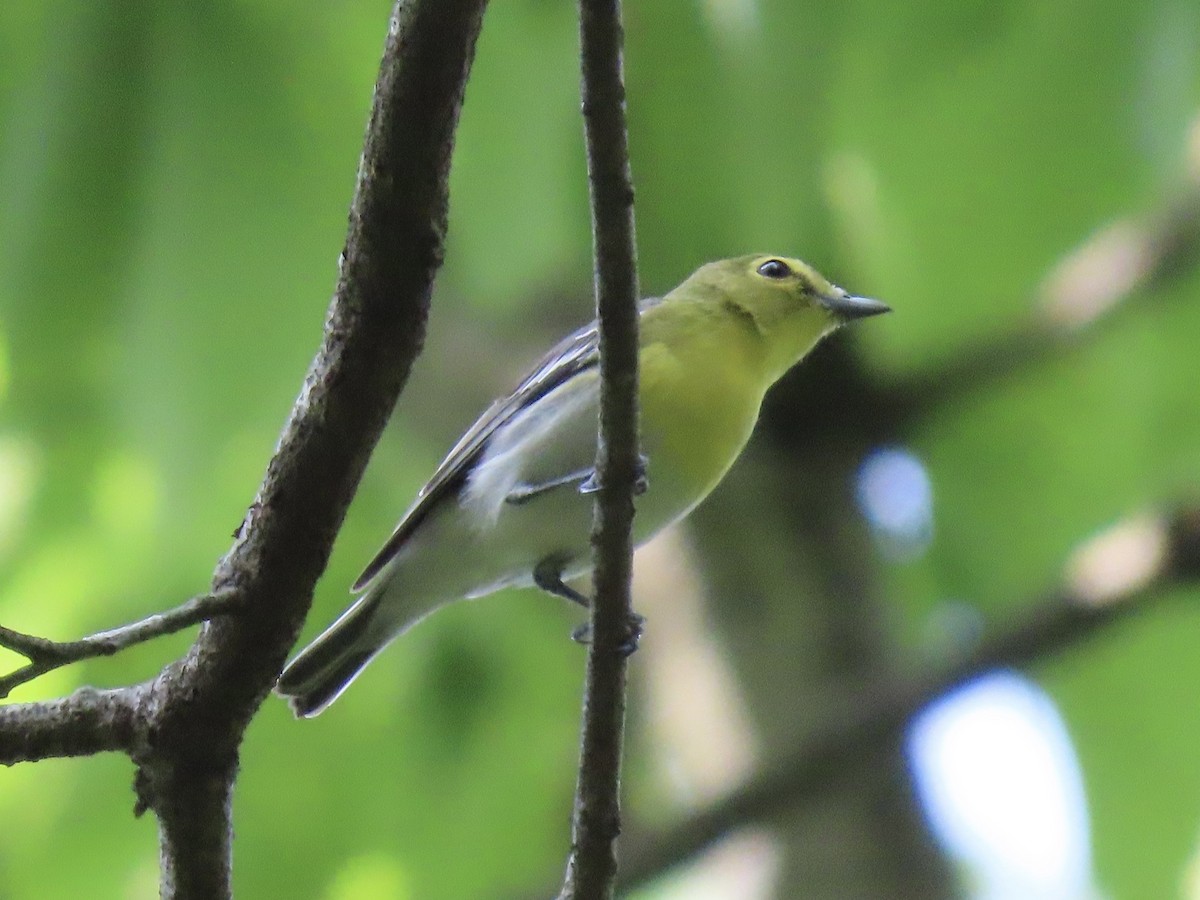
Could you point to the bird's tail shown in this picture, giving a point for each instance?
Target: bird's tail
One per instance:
(325, 668)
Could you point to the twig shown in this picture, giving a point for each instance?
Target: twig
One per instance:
(1111, 577)
(591, 869)
(46, 655)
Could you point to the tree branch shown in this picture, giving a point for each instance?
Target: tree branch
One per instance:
(374, 330)
(591, 869)
(1115, 575)
(83, 724)
(46, 656)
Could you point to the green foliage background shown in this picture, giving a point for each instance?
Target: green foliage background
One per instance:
(174, 180)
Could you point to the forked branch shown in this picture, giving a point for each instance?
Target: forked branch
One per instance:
(44, 655)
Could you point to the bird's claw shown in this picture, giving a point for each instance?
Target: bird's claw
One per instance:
(641, 483)
(634, 625)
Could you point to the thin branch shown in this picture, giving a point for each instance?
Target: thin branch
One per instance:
(46, 655)
(591, 869)
(1118, 574)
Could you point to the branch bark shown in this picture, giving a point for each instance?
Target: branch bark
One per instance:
(591, 869)
(84, 724)
(1118, 574)
(374, 331)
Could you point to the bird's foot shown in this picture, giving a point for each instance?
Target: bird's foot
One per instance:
(523, 493)
(634, 625)
(591, 484)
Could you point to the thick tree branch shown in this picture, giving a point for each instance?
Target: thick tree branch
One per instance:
(1113, 576)
(46, 656)
(83, 724)
(591, 869)
(374, 330)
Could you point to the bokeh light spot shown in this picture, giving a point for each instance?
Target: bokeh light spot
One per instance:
(999, 781)
(895, 495)
(377, 876)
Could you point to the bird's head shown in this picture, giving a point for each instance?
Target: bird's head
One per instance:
(789, 303)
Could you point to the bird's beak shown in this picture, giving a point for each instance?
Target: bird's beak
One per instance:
(847, 307)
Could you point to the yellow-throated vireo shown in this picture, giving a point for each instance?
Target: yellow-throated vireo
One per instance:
(511, 505)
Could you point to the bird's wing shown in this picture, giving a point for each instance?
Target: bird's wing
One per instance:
(576, 353)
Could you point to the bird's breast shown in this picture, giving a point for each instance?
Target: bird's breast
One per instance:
(696, 417)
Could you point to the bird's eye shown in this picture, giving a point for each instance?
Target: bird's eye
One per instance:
(774, 268)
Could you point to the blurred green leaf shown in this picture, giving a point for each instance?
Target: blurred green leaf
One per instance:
(174, 182)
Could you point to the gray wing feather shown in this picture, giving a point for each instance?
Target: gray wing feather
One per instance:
(576, 353)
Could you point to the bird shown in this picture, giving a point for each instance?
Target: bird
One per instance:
(511, 505)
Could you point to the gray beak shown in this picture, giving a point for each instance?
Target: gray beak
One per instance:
(847, 307)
